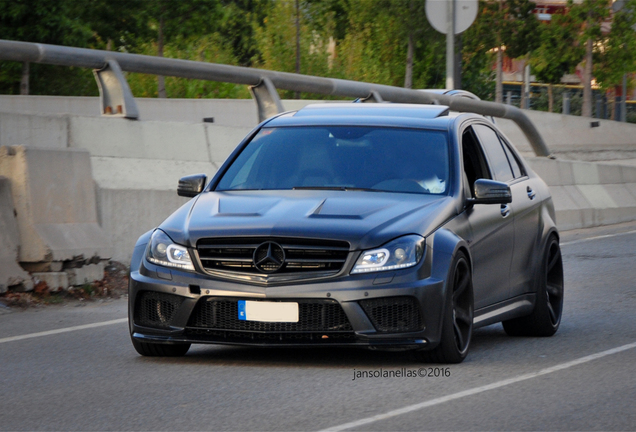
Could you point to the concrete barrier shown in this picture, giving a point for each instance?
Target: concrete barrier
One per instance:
(11, 274)
(225, 112)
(136, 164)
(576, 138)
(47, 131)
(589, 194)
(54, 196)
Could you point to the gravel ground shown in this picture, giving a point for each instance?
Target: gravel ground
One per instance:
(113, 286)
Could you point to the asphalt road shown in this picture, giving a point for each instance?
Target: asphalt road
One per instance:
(583, 378)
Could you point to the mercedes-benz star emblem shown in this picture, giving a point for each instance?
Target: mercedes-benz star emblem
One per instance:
(269, 257)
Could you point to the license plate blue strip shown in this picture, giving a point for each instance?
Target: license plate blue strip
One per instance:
(241, 310)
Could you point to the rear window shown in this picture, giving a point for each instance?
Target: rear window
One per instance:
(342, 157)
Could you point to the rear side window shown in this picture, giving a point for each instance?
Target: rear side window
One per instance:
(495, 153)
(516, 169)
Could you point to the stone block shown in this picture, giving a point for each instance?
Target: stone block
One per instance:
(11, 274)
(50, 131)
(127, 214)
(628, 174)
(597, 196)
(56, 281)
(620, 194)
(609, 174)
(585, 173)
(54, 196)
(118, 137)
(145, 174)
(85, 274)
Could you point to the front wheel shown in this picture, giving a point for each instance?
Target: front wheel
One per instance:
(546, 317)
(457, 327)
(160, 350)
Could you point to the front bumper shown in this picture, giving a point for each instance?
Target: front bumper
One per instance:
(166, 307)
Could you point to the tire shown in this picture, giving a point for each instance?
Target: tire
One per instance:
(457, 324)
(546, 317)
(149, 349)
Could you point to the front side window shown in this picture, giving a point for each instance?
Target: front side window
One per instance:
(342, 157)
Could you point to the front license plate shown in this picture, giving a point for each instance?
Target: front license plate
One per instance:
(267, 311)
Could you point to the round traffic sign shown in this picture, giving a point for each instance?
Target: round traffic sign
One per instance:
(465, 14)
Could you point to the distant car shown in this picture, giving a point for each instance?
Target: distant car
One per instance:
(385, 226)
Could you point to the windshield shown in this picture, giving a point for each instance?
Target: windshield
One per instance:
(342, 157)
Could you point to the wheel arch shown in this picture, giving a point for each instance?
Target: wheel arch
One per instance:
(445, 245)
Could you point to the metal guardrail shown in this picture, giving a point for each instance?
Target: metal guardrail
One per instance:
(117, 99)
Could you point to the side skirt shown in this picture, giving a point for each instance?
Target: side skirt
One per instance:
(512, 308)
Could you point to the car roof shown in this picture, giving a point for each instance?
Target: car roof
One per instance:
(368, 114)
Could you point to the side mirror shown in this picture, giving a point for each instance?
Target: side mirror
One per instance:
(491, 192)
(192, 185)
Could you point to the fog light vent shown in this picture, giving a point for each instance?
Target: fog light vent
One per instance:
(153, 309)
(394, 314)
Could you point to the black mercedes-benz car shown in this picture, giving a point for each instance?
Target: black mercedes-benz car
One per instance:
(385, 226)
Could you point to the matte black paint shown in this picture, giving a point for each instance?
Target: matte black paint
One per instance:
(503, 251)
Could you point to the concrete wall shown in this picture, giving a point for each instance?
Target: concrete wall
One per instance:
(226, 112)
(573, 137)
(589, 194)
(11, 274)
(136, 164)
(54, 198)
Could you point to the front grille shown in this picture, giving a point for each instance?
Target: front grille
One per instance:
(301, 255)
(394, 314)
(154, 309)
(314, 315)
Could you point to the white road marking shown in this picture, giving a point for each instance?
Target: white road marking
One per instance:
(63, 330)
(477, 390)
(597, 237)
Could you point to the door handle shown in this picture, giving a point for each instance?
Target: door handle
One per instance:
(531, 193)
(505, 210)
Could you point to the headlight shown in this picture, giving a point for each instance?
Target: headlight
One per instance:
(400, 253)
(163, 251)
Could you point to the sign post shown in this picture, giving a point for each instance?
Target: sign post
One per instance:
(450, 45)
(451, 17)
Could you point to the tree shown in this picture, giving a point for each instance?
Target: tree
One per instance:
(589, 15)
(557, 54)
(512, 26)
(618, 56)
(39, 21)
(178, 20)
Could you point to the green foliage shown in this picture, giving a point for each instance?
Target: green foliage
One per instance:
(619, 54)
(207, 48)
(558, 52)
(364, 40)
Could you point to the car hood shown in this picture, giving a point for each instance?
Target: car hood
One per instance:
(364, 219)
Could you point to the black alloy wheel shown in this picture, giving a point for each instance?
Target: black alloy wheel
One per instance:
(457, 327)
(546, 317)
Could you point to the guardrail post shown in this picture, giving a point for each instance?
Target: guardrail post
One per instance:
(267, 99)
(374, 97)
(566, 103)
(114, 93)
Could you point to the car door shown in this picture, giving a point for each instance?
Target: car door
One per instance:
(526, 208)
(491, 225)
